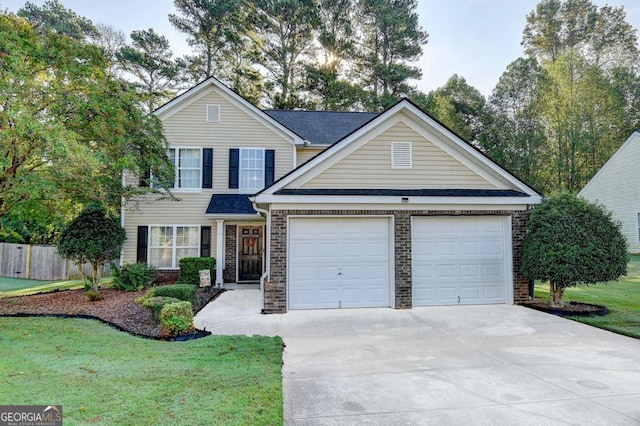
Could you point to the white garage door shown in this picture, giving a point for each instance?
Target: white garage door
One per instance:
(338, 262)
(459, 260)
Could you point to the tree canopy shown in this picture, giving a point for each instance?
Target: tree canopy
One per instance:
(571, 241)
(92, 237)
(67, 128)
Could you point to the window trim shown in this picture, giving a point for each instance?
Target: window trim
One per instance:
(638, 225)
(174, 247)
(177, 170)
(217, 120)
(240, 168)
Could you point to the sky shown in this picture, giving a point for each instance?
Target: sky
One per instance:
(475, 39)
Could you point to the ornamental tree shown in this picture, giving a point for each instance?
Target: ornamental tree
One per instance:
(92, 237)
(572, 241)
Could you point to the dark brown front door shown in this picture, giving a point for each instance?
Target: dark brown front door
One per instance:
(250, 264)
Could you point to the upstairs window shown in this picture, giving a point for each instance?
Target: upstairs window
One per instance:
(251, 169)
(188, 165)
(400, 155)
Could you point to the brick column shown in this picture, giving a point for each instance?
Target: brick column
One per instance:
(403, 260)
(275, 289)
(231, 254)
(518, 232)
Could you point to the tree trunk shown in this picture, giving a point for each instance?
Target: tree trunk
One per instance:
(556, 292)
(95, 275)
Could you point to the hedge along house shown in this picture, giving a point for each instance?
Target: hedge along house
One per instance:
(390, 210)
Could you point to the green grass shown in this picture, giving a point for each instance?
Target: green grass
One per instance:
(621, 297)
(10, 287)
(100, 375)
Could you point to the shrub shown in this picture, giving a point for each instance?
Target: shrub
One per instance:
(571, 241)
(191, 266)
(93, 295)
(133, 277)
(94, 237)
(156, 303)
(176, 318)
(184, 292)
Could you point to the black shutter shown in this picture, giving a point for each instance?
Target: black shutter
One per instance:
(269, 166)
(205, 241)
(145, 178)
(143, 241)
(207, 168)
(234, 168)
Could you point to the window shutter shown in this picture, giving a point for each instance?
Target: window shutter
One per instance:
(143, 241)
(213, 113)
(207, 168)
(145, 179)
(205, 241)
(400, 155)
(269, 166)
(234, 168)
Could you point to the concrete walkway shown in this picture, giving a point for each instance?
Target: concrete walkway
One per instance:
(490, 364)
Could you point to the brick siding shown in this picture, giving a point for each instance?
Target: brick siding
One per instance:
(231, 254)
(275, 291)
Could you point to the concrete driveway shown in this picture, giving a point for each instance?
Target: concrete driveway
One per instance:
(490, 364)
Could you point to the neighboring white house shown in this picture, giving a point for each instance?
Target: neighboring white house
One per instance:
(333, 209)
(617, 187)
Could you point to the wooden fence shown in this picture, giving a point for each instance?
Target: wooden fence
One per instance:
(39, 263)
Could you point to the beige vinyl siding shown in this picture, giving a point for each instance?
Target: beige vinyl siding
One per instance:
(189, 211)
(188, 127)
(370, 166)
(236, 129)
(617, 186)
(304, 154)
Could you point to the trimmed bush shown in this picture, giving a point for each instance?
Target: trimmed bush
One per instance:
(184, 292)
(177, 318)
(156, 303)
(93, 295)
(133, 277)
(190, 267)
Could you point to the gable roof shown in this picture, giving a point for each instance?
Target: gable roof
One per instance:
(635, 137)
(200, 89)
(330, 155)
(321, 127)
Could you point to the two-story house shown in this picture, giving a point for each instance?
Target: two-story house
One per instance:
(331, 209)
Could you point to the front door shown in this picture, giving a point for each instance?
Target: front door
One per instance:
(250, 253)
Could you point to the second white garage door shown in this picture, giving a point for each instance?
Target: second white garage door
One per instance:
(338, 262)
(459, 260)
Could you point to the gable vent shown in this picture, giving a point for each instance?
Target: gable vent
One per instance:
(400, 155)
(213, 113)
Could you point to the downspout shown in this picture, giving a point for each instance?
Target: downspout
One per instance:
(267, 247)
(122, 201)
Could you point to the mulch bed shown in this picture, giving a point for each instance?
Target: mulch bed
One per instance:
(576, 309)
(117, 308)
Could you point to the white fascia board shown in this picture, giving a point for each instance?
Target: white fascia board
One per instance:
(233, 216)
(358, 200)
(199, 91)
(402, 207)
(471, 151)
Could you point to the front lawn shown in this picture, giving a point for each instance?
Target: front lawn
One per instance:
(100, 375)
(10, 287)
(622, 297)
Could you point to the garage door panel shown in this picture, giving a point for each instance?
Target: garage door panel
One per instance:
(458, 257)
(346, 263)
